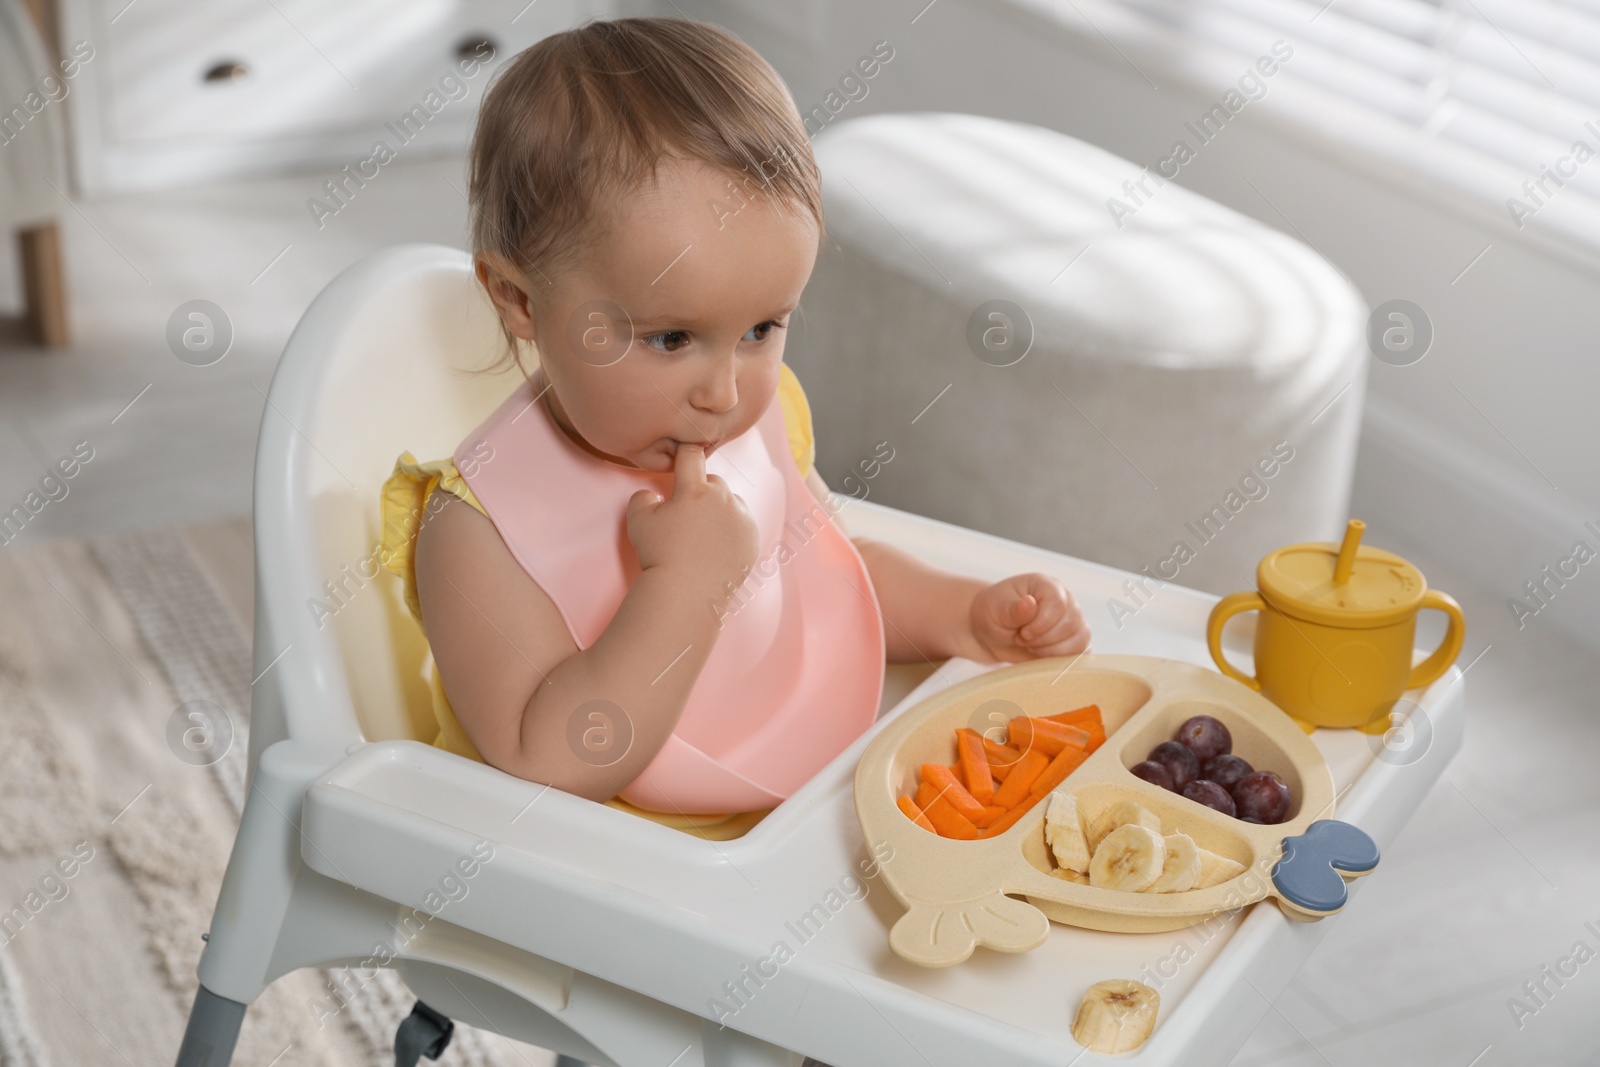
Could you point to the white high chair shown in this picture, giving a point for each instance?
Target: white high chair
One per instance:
(590, 931)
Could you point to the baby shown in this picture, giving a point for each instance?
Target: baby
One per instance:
(646, 213)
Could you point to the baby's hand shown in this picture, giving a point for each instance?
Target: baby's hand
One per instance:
(1028, 616)
(702, 529)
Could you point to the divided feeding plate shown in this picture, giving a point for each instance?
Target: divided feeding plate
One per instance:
(957, 891)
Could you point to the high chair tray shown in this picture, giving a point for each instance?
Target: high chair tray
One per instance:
(784, 933)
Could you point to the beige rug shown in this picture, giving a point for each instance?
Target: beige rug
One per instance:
(111, 848)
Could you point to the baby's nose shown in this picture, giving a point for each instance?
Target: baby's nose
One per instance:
(716, 392)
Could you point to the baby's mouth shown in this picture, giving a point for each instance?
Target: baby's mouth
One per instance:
(706, 446)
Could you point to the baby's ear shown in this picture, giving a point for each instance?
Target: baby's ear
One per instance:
(504, 286)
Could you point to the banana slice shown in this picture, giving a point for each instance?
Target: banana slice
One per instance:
(1130, 858)
(1064, 833)
(1068, 875)
(1120, 814)
(1116, 1015)
(1182, 869)
(1215, 869)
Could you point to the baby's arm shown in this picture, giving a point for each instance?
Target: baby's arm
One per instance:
(932, 614)
(515, 678)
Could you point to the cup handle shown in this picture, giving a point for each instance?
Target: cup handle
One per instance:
(1429, 670)
(1225, 609)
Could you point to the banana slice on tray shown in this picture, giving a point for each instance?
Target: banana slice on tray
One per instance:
(1130, 858)
(1182, 869)
(1063, 832)
(1118, 815)
(1215, 869)
(1117, 1015)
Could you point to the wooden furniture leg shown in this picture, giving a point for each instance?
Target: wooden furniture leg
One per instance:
(46, 17)
(43, 273)
(44, 283)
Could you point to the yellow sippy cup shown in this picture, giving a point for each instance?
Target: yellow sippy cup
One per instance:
(1338, 622)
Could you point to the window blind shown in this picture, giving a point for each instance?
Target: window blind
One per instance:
(1498, 99)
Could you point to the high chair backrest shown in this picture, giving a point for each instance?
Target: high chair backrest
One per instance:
(378, 365)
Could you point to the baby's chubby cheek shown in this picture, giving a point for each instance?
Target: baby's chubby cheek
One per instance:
(620, 425)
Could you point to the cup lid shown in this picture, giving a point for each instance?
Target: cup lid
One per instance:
(1381, 588)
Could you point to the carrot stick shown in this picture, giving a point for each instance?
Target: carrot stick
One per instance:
(915, 814)
(1089, 736)
(1046, 736)
(991, 812)
(974, 765)
(1001, 757)
(1067, 761)
(950, 823)
(947, 821)
(1087, 714)
(942, 779)
(1078, 736)
(1026, 738)
(1088, 719)
(1009, 819)
(1015, 788)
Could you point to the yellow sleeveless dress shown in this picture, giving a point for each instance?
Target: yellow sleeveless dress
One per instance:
(405, 499)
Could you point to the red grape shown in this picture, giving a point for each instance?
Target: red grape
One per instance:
(1225, 770)
(1210, 794)
(1206, 736)
(1180, 761)
(1154, 773)
(1263, 795)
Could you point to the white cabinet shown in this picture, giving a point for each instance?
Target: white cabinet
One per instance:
(179, 92)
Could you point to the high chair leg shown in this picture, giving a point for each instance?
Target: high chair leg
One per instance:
(424, 1032)
(213, 1030)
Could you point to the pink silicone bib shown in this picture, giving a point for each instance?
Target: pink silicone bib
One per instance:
(798, 666)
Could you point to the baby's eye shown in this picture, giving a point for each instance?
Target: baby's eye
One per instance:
(766, 328)
(674, 340)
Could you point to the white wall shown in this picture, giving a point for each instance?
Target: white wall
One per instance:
(1484, 451)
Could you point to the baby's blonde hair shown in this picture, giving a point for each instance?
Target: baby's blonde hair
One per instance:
(586, 115)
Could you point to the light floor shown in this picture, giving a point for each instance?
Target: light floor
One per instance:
(1494, 879)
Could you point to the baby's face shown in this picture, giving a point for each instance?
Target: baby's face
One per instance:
(708, 284)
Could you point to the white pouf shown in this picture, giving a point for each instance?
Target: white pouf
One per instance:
(1176, 390)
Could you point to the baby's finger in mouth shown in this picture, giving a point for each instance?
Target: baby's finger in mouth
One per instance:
(689, 462)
